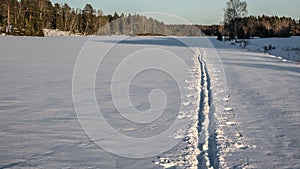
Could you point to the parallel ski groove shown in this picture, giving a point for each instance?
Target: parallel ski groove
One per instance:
(204, 159)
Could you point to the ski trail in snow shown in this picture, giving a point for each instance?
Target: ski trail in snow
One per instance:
(194, 130)
(197, 152)
(187, 154)
(204, 156)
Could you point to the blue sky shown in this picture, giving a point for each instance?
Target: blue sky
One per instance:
(195, 11)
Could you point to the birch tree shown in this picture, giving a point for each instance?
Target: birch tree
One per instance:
(234, 9)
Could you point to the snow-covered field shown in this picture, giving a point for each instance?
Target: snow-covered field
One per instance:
(286, 49)
(264, 103)
(243, 113)
(39, 125)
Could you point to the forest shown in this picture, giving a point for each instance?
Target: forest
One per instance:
(31, 17)
(264, 26)
(256, 26)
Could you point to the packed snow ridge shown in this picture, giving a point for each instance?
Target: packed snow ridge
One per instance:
(187, 154)
(199, 150)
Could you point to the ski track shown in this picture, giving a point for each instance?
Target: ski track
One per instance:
(204, 157)
(200, 150)
(187, 154)
(225, 132)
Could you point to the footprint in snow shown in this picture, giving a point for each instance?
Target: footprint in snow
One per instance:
(186, 103)
(226, 99)
(181, 115)
(231, 123)
(240, 146)
(228, 109)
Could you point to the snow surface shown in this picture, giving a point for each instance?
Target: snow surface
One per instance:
(57, 32)
(247, 107)
(39, 127)
(262, 115)
(286, 49)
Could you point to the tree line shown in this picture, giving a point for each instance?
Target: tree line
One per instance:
(237, 25)
(255, 26)
(143, 26)
(30, 17)
(263, 26)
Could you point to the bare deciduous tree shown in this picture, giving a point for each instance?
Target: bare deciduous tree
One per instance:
(234, 9)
